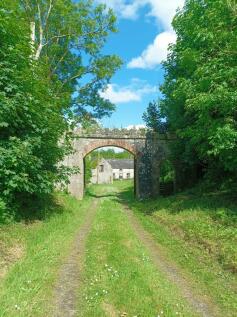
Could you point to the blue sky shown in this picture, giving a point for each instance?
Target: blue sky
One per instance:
(144, 34)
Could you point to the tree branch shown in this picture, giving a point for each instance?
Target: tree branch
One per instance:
(88, 71)
(48, 13)
(60, 60)
(40, 47)
(32, 38)
(57, 37)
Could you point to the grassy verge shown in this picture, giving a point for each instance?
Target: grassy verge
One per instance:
(119, 275)
(26, 288)
(199, 233)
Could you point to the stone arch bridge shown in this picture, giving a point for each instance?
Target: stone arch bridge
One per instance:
(148, 149)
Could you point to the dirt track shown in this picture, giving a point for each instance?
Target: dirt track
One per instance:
(70, 273)
(202, 305)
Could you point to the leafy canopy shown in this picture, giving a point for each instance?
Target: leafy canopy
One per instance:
(51, 71)
(200, 96)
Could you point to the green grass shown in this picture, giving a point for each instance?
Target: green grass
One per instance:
(199, 233)
(26, 289)
(119, 275)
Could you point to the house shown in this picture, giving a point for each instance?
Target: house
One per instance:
(103, 173)
(122, 168)
(112, 169)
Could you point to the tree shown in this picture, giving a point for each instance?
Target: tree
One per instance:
(39, 74)
(31, 121)
(154, 119)
(200, 85)
(68, 36)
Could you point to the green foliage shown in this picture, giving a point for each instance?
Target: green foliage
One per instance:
(31, 122)
(111, 154)
(38, 77)
(154, 118)
(69, 38)
(200, 86)
(166, 172)
(5, 215)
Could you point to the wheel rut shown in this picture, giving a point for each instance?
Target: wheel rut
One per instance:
(199, 303)
(70, 275)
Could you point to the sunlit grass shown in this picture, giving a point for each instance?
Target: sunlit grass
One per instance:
(119, 274)
(199, 232)
(27, 288)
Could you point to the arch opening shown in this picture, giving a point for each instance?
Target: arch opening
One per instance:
(109, 168)
(120, 143)
(167, 179)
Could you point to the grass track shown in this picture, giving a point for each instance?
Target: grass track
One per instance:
(199, 233)
(28, 286)
(119, 275)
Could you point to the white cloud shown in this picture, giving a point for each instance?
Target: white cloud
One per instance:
(155, 53)
(119, 95)
(132, 93)
(116, 149)
(122, 8)
(163, 11)
(136, 127)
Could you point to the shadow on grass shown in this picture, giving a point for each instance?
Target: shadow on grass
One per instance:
(38, 208)
(220, 206)
(91, 194)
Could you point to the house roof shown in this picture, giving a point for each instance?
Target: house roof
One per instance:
(121, 163)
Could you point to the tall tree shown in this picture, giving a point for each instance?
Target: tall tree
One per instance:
(42, 90)
(154, 118)
(69, 36)
(200, 94)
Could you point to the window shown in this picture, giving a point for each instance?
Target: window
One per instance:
(128, 175)
(101, 168)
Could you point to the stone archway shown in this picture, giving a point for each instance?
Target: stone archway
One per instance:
(122, 144)
(147, 148)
